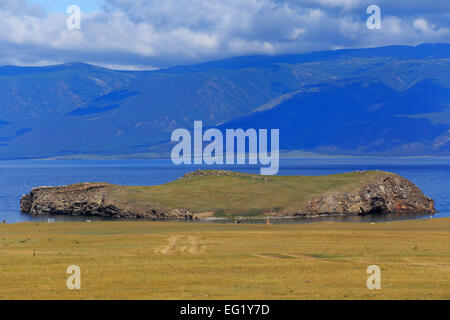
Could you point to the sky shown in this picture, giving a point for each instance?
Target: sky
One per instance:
(149, 34)
(61, 5)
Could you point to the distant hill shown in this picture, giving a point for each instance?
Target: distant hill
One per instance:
(380, 101)
(359, 117)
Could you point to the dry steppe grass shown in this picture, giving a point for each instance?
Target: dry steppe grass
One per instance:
(167, 260)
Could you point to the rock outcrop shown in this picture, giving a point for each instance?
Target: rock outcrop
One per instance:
(92, 199)
(375, 193)
(388, 193)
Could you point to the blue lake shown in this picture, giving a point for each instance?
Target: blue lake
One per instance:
(18, 177)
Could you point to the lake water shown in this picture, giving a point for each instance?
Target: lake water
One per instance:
(18, 177)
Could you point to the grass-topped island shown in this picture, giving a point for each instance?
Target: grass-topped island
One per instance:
(213, 193)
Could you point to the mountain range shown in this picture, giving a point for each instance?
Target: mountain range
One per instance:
(386, 101)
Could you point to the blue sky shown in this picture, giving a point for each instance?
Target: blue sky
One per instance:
(61, 6)
(145, 34)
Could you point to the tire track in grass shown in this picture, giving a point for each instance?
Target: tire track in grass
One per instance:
(171, 245)
(183, 244)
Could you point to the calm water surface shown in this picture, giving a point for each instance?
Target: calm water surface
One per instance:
(18, 177)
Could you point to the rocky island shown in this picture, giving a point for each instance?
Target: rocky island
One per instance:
(213, 193)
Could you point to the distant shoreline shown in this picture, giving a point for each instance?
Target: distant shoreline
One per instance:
(124, 157)
(327, 219)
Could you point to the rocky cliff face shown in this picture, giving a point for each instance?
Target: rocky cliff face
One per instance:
(387, 194)
(91, 199)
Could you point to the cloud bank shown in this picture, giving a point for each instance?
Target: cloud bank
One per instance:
(160, 33)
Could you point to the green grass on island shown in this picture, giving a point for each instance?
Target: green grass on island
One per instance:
(167, 260)
(229, 193)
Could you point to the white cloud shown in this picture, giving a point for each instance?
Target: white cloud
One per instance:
(145, 34)
(422, 25)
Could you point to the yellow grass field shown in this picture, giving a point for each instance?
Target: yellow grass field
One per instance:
(167, 260)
